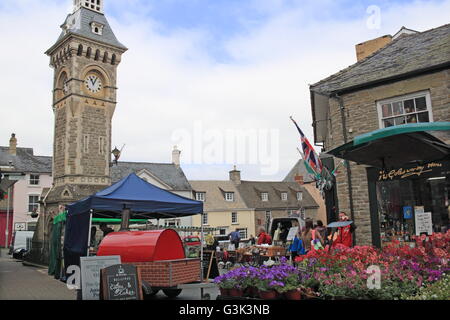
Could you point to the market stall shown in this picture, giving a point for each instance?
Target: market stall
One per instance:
(131, 197)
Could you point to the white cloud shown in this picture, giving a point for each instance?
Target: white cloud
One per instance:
(168, 81)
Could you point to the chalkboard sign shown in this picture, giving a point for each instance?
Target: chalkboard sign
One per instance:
(121, 282)
(90, 274)
(210, 268)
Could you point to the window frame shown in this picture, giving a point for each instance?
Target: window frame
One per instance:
(197, 194)
(234, 218)
(402, 98)
(299, 195)
(243, 232)
(205, 218)
(284, 196)
(227, 198)
(34, 180)
(264, 196)
(34, 203)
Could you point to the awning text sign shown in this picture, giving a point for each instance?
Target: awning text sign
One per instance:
(417, 171)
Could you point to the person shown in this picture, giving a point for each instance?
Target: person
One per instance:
(210, 241)
(345, 234)
(296, 248)
(105, 229)
(252, 240)
(310, 237)
(320, 228)
(263, 237)
(235, 237)
(93, 233)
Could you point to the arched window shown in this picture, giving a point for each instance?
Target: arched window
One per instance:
(105, 57)
(80, 50)
(97, 55)
(113, 59)
(88, 52)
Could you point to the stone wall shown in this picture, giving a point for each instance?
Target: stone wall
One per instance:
(361, 117)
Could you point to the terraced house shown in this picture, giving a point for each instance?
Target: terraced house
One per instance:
(398, 80)
(248, 205)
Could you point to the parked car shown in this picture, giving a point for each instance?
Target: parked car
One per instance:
(19, 253)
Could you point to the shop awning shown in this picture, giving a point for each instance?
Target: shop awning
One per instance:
(399, 145)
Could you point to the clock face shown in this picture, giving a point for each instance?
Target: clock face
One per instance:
(93, 83)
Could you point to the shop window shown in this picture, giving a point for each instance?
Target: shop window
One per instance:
(34, 179)
(411, 108)
(408, 202)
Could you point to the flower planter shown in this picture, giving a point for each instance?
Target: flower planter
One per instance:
(293, 295)
(224, 292)
(236, 292)
(268, 295)
(251, 292)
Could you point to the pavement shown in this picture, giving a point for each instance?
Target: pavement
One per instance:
(19, 282)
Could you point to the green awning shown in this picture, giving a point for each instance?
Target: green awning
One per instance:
(398, 145)
(117, 221)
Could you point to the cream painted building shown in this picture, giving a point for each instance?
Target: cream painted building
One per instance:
(248, 205)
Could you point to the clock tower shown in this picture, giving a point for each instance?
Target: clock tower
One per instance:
(84, 58)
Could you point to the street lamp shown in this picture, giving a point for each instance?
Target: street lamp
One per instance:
(116, 153)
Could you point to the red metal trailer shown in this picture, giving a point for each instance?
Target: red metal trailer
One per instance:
(160, 256)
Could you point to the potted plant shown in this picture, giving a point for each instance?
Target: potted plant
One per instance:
(225, 284)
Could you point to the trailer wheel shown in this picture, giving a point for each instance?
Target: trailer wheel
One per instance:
(172, 293)
(148, 291)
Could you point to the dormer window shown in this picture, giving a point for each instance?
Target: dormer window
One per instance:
(264, 196)
(97, 28)
(229, 196)
(284, 196)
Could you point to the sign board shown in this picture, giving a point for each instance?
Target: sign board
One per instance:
(210, 268)
(90, 274)
(424, 223)
(419, 209)
(407, 212)
(20, 226)
(292, 232)
(120, 282)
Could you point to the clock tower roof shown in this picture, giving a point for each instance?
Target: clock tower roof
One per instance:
(88, 24)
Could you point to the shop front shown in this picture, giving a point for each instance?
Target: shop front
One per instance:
(410, 200)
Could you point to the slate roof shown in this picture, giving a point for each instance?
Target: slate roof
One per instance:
(80, 22)
(25, 161)
(406, 55)
(168, 173)
(215, 195)
(251, 191)
(299, 170)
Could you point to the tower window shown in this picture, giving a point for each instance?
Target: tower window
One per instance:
(113, 59)
(101, 145)
(86, 143)
(105, 57)
(97, 54)
(80, 50)
(88, 52)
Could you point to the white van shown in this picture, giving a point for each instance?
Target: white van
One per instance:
(19, 240)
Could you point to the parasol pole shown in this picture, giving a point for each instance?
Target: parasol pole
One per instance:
(89, 232)
(201, 249)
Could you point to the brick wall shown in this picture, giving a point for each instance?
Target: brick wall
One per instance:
(170, 273)
(362, 116)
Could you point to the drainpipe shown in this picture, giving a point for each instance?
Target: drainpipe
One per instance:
(349, 170)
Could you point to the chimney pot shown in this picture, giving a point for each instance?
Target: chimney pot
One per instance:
(235, 176)
(176, 156)
(13, 144)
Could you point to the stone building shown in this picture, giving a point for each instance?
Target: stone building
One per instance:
(248, 205)
(84, 58)
(407, 80)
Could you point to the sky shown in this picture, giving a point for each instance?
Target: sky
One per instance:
(217, 78)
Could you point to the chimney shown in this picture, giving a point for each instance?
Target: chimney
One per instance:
(235, 176)
(13, 145)
(366, 48)
(299, 179)
(176, 156)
